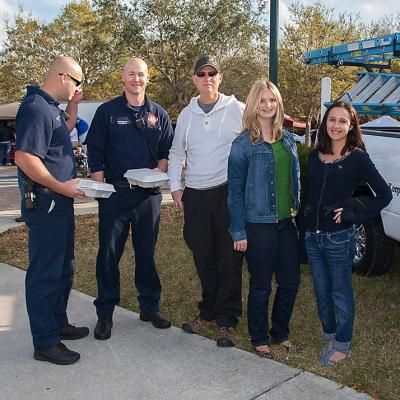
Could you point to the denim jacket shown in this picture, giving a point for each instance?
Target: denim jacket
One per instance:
(251, 182)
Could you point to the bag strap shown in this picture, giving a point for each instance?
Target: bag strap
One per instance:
(140, 124)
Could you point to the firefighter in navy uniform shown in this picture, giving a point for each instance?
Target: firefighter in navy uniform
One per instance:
(128, 132)
(46, 165)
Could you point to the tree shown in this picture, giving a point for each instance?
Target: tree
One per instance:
(313, 27)
(95, 35)
(177, 32)
(22, 60)
(383, 26)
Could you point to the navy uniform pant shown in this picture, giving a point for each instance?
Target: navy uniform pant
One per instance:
(51, 266)
(128, 209)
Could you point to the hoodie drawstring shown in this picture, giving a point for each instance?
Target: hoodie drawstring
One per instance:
(187, 131)
(221, 124)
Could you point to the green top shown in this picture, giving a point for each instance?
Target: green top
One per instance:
(283, 180)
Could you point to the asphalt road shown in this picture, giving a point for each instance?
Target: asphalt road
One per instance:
(9, 192)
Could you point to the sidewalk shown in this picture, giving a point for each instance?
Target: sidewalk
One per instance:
(139, 361)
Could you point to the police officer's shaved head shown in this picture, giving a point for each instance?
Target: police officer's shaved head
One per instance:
(65, 65)
(63, 78)
(135, 61)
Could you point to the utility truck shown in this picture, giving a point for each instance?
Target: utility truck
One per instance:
(378, 94)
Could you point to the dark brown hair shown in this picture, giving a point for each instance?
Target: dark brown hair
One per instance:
(354, 137)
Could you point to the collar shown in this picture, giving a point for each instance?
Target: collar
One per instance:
(148, 104)
(37, 90)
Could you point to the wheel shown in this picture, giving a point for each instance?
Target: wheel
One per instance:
(374, 250)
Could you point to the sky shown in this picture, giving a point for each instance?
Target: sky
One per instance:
(46, 10)
(368, 9)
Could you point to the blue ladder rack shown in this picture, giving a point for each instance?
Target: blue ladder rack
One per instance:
(381, 48)
(374, 94)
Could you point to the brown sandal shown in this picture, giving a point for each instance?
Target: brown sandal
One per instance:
(287, 345)
(266, 353)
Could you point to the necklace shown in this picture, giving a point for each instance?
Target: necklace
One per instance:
(330, 158)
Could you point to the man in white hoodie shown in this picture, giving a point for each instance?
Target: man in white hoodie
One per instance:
(204, 133)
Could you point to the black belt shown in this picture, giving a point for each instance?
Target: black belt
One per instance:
(42, 189)
(120, 183)
(123, 183)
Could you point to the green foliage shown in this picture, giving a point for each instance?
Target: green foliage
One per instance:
(95, 36)
(170, 35)
(25, 57)
(395, 66)
(303, 152)
(383, 26)
(313, 27)
(177, 32)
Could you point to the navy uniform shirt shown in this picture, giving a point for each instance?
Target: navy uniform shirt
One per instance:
(115, 143)
(41, 130)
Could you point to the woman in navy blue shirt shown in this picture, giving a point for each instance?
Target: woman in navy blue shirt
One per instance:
(263, 198)
(335, 168)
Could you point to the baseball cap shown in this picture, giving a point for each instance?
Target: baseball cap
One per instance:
(204, 61)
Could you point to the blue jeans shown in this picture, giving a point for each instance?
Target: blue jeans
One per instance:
(7, 150)
(330, 256)
(272, 249)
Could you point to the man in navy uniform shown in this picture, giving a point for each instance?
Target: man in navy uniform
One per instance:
(46, 166)
(128, 132)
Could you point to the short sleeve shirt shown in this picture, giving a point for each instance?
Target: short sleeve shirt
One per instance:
(41, 130)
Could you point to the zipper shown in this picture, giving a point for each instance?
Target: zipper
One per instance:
(326, 171)
(293, 211)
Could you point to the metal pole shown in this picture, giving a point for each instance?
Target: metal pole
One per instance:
(273, 41)
(326, 90)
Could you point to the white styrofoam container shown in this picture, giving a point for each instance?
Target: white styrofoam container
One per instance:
(146, 178)
(95, 189)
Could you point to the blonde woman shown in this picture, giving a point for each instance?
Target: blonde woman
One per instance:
(264, 186)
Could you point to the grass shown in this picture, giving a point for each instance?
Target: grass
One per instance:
(375, 365)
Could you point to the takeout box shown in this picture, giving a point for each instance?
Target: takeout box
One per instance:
(95, 189)
(146, 178)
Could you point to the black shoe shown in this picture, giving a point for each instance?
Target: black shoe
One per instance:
(156, 318)
(59, 354)
(19, 219)
(102, 331)
(71, 332)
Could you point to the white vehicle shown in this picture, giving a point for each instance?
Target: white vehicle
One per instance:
(375, 93)
(86, 111)
(375, 239)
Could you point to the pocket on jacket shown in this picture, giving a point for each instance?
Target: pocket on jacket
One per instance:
(250, 196)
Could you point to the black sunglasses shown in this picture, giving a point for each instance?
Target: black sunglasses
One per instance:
(77, 83)
(211, 74)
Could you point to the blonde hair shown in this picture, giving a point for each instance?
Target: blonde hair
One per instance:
(250, 121)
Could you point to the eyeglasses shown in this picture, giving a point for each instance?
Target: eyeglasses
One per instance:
(77, 83)
(211, 74)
